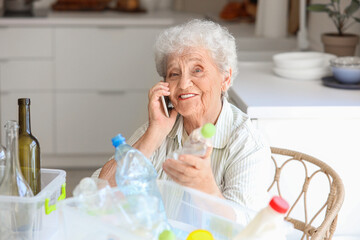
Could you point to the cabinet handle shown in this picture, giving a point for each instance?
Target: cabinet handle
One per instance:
(112, 92)
(110, 27)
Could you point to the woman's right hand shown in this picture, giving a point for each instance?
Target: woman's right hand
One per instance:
(157, 118)
(159, 124)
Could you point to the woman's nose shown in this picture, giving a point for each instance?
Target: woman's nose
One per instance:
(185, 81)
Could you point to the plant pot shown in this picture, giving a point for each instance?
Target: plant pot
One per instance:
(344, 45)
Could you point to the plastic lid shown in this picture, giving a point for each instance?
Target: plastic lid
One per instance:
(200, 235)
(117, 140)
(279, 204)
(208, 130)
(167, 235)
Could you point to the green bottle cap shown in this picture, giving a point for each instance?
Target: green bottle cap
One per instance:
(167, 235)
(208, 130)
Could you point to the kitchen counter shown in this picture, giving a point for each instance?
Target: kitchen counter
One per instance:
(100, 19)
(262, 94)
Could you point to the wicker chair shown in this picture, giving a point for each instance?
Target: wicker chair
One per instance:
(334, 200)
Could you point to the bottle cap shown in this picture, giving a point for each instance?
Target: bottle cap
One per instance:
(117, 140)
(279, 204)
(208, 130)
(24, 101)
(167, 235)
(200, 235)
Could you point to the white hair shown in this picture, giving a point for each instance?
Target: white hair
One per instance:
(197, 33)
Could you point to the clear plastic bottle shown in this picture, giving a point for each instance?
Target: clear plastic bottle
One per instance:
(136, 179)
(13, 183)
(121, 147)
(197, 143)
(268, 223)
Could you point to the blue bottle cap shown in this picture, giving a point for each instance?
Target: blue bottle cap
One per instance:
(117, 140)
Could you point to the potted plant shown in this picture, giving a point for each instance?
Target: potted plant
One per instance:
(340, 43)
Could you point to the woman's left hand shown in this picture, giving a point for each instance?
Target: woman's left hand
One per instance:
(193, 171)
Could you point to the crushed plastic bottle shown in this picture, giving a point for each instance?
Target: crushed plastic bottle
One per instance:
(136, 179)
(197, 143)
(268, 223)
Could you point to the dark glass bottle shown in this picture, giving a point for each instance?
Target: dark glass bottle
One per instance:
(29, 148)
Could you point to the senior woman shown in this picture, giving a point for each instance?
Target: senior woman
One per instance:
(198, 62)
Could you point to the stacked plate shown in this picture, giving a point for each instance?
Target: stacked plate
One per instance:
(302, 65)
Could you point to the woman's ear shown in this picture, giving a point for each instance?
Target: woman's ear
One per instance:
(226, 81)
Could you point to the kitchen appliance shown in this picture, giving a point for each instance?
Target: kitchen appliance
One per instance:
(18, 7)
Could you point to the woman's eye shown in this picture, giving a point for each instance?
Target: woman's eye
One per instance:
(198, 70)
(173, 74)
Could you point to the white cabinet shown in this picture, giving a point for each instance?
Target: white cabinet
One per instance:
(86, 122)
(102, 80)
(105, 58)
(31, 75)
(86, 84)
(23, 42)
(30, 78)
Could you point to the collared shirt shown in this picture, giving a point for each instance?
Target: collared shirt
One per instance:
(240, 160)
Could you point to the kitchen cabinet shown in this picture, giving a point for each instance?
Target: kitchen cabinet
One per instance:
(31, 78)
(105, 58)
(25, 42)
(87, 75)
(86, 122)
(102, 81)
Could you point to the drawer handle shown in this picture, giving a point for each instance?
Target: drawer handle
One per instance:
(51, 208)
(109, 92)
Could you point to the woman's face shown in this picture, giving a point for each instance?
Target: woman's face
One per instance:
(195, 83)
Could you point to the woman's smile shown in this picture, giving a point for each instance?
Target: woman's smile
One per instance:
(187, 96)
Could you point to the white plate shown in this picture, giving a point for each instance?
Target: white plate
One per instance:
(302, 60)
(303, 74)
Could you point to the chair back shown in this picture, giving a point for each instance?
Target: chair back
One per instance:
(333, 202)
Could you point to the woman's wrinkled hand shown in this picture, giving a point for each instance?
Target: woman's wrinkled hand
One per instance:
(157, 118)
(193, 171)
(108, 172)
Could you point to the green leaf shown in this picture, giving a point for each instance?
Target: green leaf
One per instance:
(356, 19)
(318, 8)
(353, 7)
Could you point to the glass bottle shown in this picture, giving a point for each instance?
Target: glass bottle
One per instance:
(14, 183)
(29, 148)
(2, 162)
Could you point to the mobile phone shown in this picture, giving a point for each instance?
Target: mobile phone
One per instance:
(164, 104)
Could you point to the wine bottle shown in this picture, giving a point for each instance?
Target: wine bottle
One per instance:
(13, 183)
(29, 148)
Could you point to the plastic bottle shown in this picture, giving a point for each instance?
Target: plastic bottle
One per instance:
(121, 147)
(197, 143)
(268, 223)
(136, 179)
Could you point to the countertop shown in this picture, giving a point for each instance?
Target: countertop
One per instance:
(262, 94)
(99, 19)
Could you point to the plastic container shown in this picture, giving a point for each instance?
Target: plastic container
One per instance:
(187, 210)
(33, 217)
